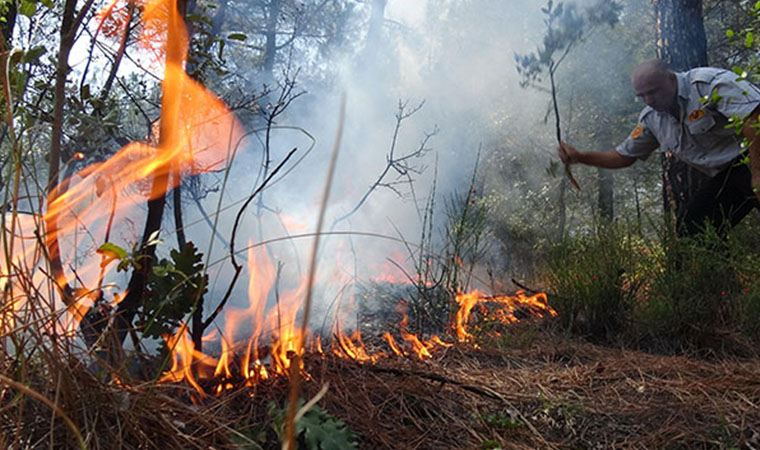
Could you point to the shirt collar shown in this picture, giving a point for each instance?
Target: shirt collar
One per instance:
(683, 85)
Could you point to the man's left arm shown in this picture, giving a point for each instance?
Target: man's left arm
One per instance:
(750, 132)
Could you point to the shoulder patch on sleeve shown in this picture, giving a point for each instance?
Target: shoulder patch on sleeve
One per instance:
(637, 131)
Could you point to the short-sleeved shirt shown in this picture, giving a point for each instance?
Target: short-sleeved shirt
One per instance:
(708, 98)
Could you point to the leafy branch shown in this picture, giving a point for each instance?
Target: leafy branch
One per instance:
(565, 28)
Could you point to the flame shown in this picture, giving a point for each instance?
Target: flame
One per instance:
(388, 272)
(392, 343)
(291, 224)
(197, 134)
(274, 323)
(353, 348)
(536, 304)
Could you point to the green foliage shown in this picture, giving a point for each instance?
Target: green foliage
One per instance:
(746, 37)
(237, 36)
(689, 295)
(669, 294)
(27, 8)
(504, 420)
(489, 445)
(596, 278)
(706, 287)
(316, 430)
(174, 287)
(565, 27)
(747, 313)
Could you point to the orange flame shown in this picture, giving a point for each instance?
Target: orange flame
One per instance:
(197, 133)
(536, 304)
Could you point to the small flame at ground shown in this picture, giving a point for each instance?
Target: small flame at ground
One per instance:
(246, 362)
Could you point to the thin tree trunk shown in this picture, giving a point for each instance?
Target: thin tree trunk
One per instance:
(127, 309)
(562, 206)
(270, 46)
(606, 194)
(68, 32)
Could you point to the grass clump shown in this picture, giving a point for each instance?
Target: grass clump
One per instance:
(594, 278)
(667, 294)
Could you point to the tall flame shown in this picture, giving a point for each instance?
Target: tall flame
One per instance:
(197, 134)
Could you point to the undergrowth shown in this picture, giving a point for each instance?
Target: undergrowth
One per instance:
(665, 294)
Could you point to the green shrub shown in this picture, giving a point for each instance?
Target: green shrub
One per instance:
(705, 288)
(595, 280)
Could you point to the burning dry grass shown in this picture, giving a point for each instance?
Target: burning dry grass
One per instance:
(553, 394)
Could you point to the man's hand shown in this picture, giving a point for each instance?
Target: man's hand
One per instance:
(567, 153)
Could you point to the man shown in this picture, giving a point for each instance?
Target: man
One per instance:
(687, 114)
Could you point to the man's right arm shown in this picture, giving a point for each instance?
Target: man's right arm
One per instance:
(607, 159)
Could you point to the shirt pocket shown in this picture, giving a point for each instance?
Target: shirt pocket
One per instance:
(699, 121)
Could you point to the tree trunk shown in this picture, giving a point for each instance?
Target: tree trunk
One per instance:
(270, 46)
(681, 41)
(562, 206)
(68, 33)
(606, 194)
(377, 18)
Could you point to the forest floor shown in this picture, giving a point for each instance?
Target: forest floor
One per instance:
(551, 392)
(554, 394)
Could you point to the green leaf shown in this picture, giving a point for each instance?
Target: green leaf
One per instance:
(221, 49)
(730, 33)
(112, 249)
(162, 270)
(33, 54)
(28, 8)
(322, 431)
(237, 36)
(715, 96)
(47, 3)
(174, 287)
(749, 39)
(110, 253)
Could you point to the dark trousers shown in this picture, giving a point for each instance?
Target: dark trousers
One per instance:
(722, 202)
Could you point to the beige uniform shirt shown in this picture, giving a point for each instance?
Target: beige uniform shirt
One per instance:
(699, 137)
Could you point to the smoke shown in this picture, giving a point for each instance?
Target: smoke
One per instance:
(454, 61)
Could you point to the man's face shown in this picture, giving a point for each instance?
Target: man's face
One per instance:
(657, 90)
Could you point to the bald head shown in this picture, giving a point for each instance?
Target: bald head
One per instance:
(656, 67)
(656, 85)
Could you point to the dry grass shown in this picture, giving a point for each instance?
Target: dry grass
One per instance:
(554, 394)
